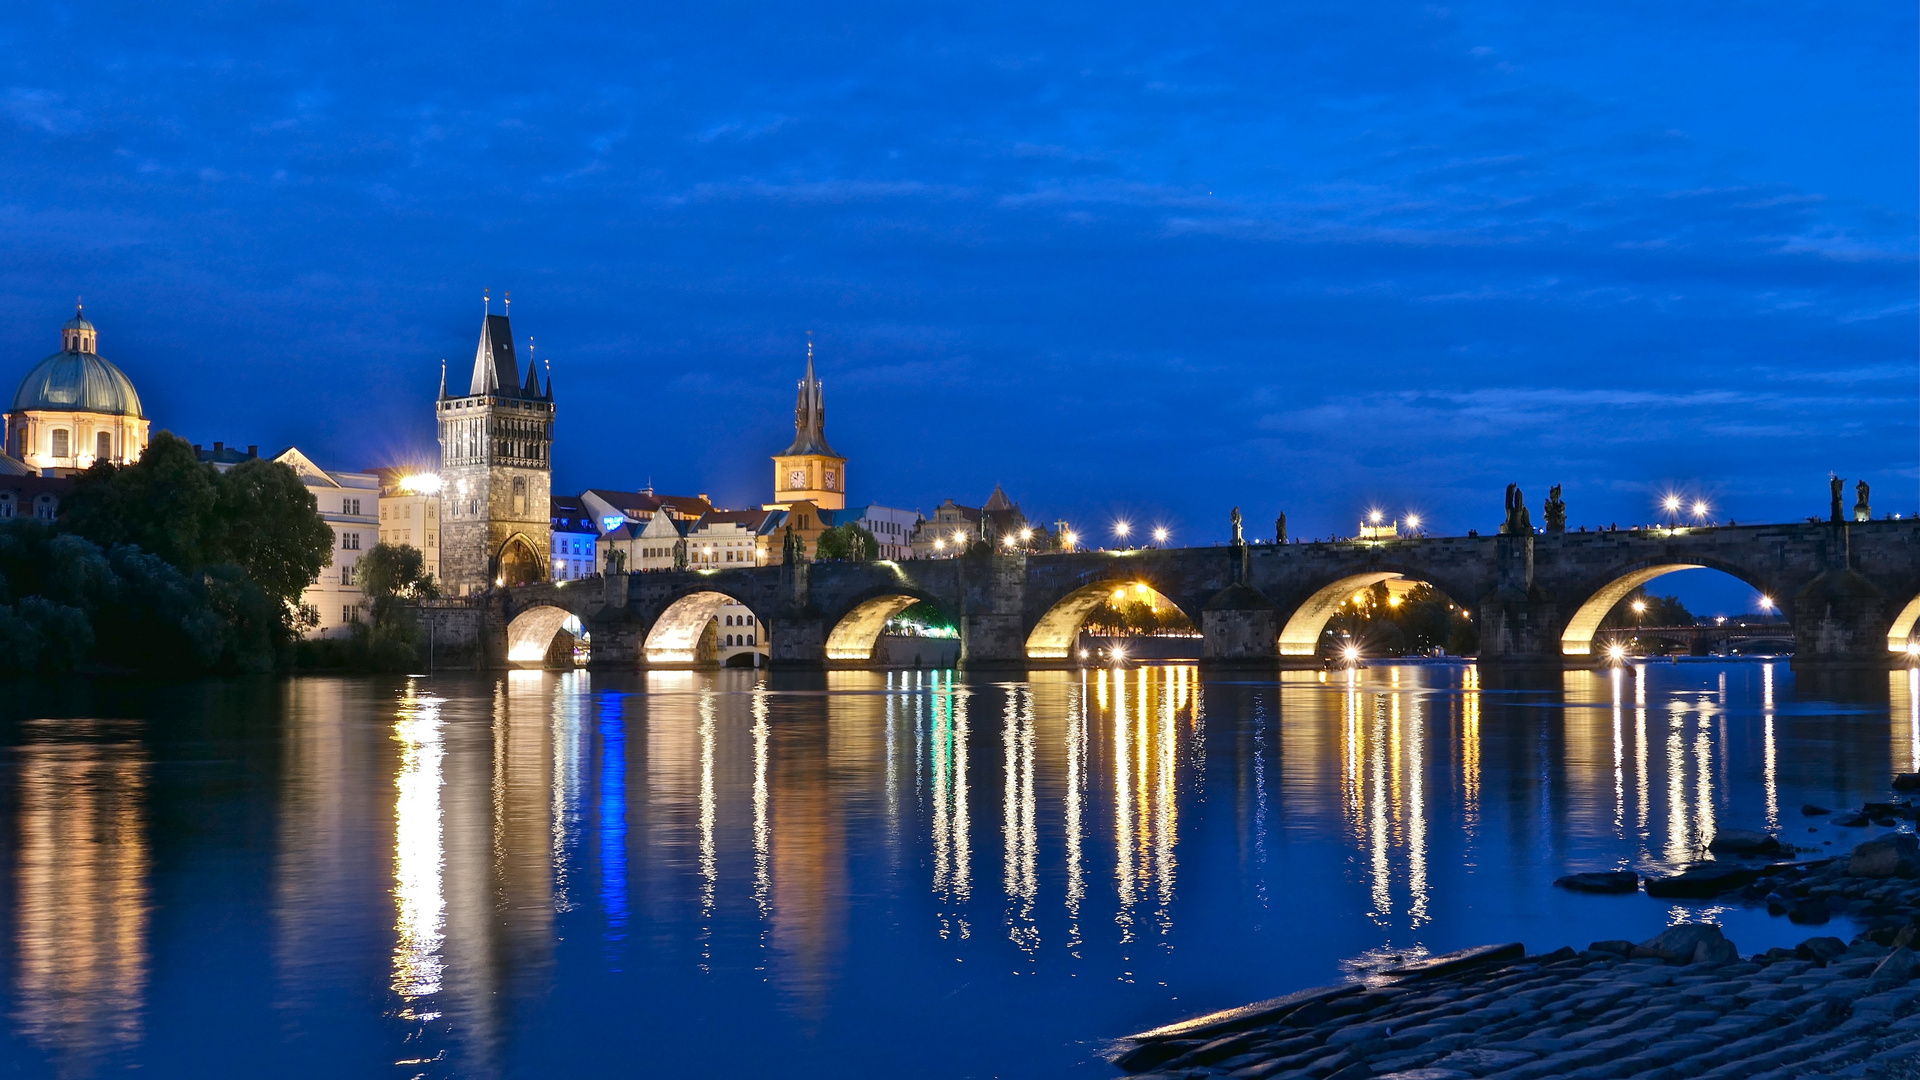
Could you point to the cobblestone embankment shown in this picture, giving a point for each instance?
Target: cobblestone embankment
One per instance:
(1683, 1005)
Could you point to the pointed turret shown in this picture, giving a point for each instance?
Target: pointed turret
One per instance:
(810, 415)
(494, 356)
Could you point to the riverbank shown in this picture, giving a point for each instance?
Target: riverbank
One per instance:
(1681, 1005)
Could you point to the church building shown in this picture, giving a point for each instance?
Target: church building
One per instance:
(496, 470)
(75, 408)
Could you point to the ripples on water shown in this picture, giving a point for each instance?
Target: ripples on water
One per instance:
(895, 873)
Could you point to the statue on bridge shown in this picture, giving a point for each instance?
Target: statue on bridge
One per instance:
(1862, 510)
(792, 551)
(1280, 528)
(1556, 511)
(616, 561)
(1238, 536)
(1835, 485)
(680, 554)
(1519, 522)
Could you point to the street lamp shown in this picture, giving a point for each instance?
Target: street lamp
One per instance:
(1375, 516)
(1700, 509)
(1413, 522)
(1672, 505)
(1351, 654)
(1160, 535)
(1616, 652)
(1068, 539)
(1121, 529)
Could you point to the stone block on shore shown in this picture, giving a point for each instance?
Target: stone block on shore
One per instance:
(1601, 881)
(1887, 856)
(1702, 880)
(1746, 842)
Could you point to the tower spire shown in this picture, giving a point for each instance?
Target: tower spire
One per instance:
(443, 378)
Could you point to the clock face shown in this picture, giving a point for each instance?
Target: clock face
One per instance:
(797, 478)
(827, 480)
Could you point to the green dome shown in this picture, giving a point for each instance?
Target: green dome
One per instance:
(77, 382)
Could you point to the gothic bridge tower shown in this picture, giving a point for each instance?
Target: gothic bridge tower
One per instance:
(496, 470)
(809, 470)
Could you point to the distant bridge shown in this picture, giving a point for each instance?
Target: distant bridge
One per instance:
(1702, 639)
(1850, 594)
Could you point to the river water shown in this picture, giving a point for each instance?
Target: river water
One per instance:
(907, 873)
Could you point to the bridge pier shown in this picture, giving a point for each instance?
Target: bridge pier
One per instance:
(993, 632)
(1241, 628)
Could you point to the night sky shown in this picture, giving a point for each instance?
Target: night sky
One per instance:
(1128, 260)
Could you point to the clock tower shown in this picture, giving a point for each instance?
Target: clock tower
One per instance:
(809, 470)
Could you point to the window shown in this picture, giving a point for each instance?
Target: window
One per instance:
(310, 614)
(519, 495)
(60, 437)
(350, 541)
(383, 513)
(103, 446)
(749, 620)
(729, 641)
(350, 613)
(431, 540)
(346, 575)
(749, 639)
(44, 507)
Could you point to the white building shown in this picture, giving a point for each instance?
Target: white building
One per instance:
(727, 539)
(892, 527)
(741, 640)
(350, 503)
(574, 540)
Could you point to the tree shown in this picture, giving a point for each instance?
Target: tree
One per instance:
(848, 543)
(167, 504)
(928, 614)
(272, 527)
(393, 573)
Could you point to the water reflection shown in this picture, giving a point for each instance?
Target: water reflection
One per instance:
(81, 899)
(538, 864)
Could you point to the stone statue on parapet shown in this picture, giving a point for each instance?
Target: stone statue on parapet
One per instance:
(680, 554)
(1556, 511)
(1862, 509)
(616, 561)
(1834, 485)
(1238, 536)
(792, 552)
(1280, 528)
(1519, 522)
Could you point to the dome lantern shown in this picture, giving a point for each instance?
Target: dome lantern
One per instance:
(79, 336)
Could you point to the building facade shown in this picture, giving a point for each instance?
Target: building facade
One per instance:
(410, 514)
(952, 527)
(496, 470)
(808, 469)
(350, 503)
(573, 539)
(75, 408)
(892, 527)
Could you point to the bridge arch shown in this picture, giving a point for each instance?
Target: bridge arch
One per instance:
(1577, 638)
(855, 633)
(677, 636)
(1301, 634)
(1054, 633)
(531, 634)
(1900, 635)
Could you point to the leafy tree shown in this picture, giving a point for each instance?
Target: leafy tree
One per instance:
(847, 543)
(272, 527)
(166, 503)
(1416, 621)
(927, 613)
(392, 573)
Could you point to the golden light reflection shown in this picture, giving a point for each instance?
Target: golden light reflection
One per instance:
(1019, 831)
(1384, 790)
(82, 906)
(1616, 677)
(1076, 802)
(1771, 750)
(762, 828)
(709, 858)
(420, 906)
(952, 828)
(1470, 751)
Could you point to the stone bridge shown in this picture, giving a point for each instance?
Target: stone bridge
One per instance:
(1850, 594)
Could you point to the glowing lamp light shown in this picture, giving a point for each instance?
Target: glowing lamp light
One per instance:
(1375, 516)
(1640, 607)
(1083, 654)
(1766, 603)
(1413, 521)
(1913, 648)
(1121, 528)
(1351, 653)
(1119, 653)
(1160, 535)
(939, 545)
(958, 536)
(1026, 534)
(1699, 508)
(420, 484)
(1006, 541)
(1616, 652)
(1672, 503)
(1069, 537)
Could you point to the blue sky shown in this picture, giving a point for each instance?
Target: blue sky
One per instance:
(1135, 260)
